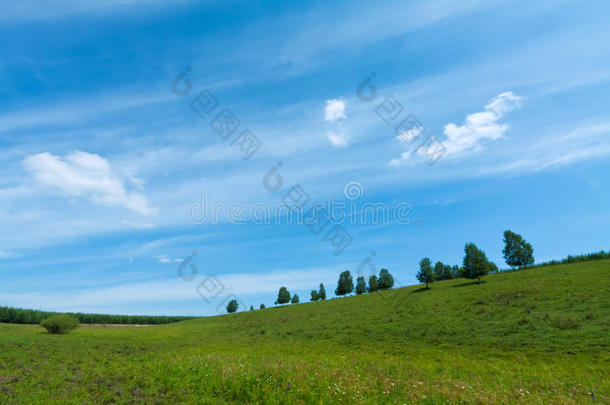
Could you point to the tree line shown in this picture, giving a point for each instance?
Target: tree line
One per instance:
(587, 257)
(345, 286)
(33, 316)
(517, 252)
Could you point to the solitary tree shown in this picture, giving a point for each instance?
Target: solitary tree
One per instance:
(262, 306)
(386, 281)
(322, 292)
(424, 275)
(232, 306)
(345, 285)
(315, 295)
(476, 264)
(360, 285)
(373, 284)
(283, 296)
(251, 308)
(517, 252)
(295, 299)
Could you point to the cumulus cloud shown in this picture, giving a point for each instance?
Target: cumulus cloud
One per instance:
(334, 114)
(82, 174)
(480, 126)
(466, 138)
(334, 110)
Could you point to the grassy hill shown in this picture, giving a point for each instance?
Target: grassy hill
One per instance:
(532, 336)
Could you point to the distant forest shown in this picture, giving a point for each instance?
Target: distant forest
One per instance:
(32, 316)
(601, 255)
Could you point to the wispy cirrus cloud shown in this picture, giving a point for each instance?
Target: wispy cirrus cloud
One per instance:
(82, 174)
(8, 255)
(243, 285)
(585, 142)
(167, 259)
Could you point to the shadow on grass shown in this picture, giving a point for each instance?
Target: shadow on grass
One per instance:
(420, 290)
(469, 283)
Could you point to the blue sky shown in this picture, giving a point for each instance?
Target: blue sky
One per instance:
(102, 161)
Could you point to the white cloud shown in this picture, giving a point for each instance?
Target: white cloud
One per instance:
(325, 27)
(138, 225)
(334, 113)
(338, 139)
(83, 111)
(586, 142)
(240, 284)
(397, 162)
(82, 174)
(334, 110)
(167, 259)
(466, 138)
(479, 126)
(8, 255)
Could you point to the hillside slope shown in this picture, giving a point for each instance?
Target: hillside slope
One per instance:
(533, 336)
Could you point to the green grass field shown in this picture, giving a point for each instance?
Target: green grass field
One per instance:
(535, 336)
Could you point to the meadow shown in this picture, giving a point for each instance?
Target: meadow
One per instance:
(536, 336)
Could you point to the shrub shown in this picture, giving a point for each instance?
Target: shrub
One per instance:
(59, 324)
